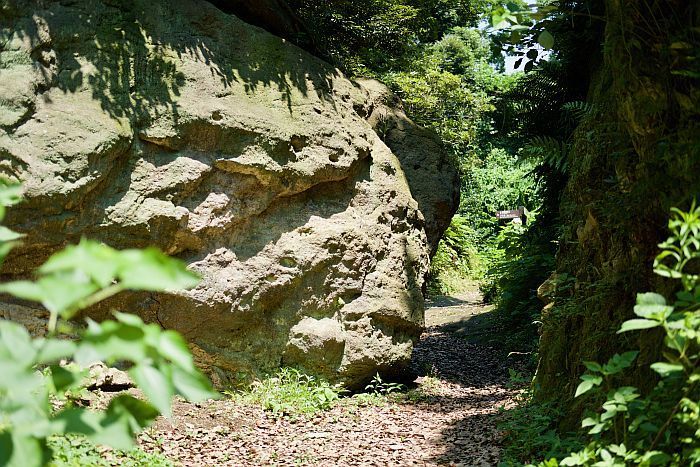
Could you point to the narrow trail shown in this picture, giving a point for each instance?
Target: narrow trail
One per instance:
(448, 419)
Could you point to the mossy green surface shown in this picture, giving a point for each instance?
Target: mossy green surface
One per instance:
(636, 155)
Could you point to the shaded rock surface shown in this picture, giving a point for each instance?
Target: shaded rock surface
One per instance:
(176, 125)
(430, 172)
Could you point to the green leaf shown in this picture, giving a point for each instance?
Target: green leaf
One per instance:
(586, 422)
(25, 290)
(655, 312)
(655, 458)
(10, 194)
(637, 324)
(155, 385)
(546, 40)
(17, 343)
(193, 386)
(154, 271)
(129, 319)
(589, 382)
(110, 341)
(593, 366)
(650, 298)
(27, 451)
(6, 447)
(64, 379)
(97, 261)
(124, 418)
(619, 362)
(7, 235)
(61, 292)
(665, 369)
(77, 420)
(5, 249)
(680, 45)
(53, 350)
(598, 428)
(116, 427)
(173, 347)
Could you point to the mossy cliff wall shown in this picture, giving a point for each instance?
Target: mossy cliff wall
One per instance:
(635, 155)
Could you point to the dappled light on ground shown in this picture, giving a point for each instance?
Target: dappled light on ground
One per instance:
(447, 418)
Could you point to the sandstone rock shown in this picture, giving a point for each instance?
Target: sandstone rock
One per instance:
(32, 318)
(107, 378)
(170, 123)
(431, 175)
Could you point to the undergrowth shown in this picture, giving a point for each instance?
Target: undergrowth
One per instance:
(530, 431)
(290, 392)
(76, 451)
(622, 424)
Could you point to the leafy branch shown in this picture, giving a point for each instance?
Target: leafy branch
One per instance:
(37, 380)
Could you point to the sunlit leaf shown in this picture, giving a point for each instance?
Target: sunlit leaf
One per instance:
(26, 290)
(665, 369)
(588, 383)
(192, 385)
(152, 270)
(157, 387)
(637, 324)
(546, 40)
(173, 347)
(97, 261)
(16, 341)
(53, 350)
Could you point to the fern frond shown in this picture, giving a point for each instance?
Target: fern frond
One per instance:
(550, 151)
(578, 110)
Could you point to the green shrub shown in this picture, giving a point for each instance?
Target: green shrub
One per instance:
(36, 387)
(455, 261)
(501, 181)
(291, 392)
(530, 431)
(622, 425)
(521, 261)
(662, 428)
(76, 451)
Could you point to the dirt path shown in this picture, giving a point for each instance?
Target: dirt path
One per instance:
(449, 419)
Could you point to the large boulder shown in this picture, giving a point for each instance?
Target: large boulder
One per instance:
(429, 169)
(170, 123)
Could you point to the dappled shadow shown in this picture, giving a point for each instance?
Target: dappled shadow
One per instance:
(478, 384)
(472, 440)
(445, 301)
(128, 54)
(462, 351)
(454, 359)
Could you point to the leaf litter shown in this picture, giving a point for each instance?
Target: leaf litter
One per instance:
(449, 418)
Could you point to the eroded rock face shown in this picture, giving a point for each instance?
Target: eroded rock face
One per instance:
(170, 123)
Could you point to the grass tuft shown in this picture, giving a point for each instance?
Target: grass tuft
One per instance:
(290, 392)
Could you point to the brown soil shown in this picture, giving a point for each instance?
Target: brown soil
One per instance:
(448, 419)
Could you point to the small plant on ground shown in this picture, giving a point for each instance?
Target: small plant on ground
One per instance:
(428, 386)
(380, 387)
(37, 387)
(378, 392)
(291, 392)
(73, 451)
